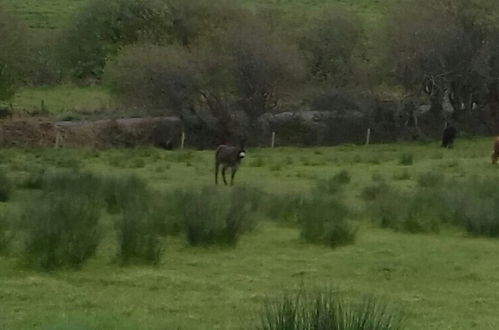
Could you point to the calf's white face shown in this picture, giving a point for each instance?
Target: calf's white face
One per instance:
(242, 154)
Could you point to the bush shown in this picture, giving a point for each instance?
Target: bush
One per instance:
(406, 159)
(4, 235)
(283, 207)
(325, 309)
(333, 185)
(117, 191)
(138, 232)
(61, 223)
(475, 206)
(371, 192)
(430, 179)
(210, 216)
(61, 229)
(100, 29)
(323, 220)
(5, 188)
(420, 211)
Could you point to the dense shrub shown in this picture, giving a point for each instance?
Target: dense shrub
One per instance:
(100, 29)
(5, 188)
(474, 205)
(325, 309)
(4, 235)
(282, 208)
(372, 191)
(430, 179)
(406, 159)
(61, 223)
(13, 44)
(138, 232)
(154, 77)
(333, 184)
(324, 220)
(419, 211)
(61, 229)
(210, 216)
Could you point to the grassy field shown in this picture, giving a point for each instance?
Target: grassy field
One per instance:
(52, 14)
(444, 280)
(63, 101)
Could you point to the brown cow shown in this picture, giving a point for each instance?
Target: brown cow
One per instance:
(495, 152)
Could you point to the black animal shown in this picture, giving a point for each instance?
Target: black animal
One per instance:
(228, 156)
(448, 136)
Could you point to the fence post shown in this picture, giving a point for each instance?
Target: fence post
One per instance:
(182, 140)
(56, 140)
(272, 143)
(368, 136)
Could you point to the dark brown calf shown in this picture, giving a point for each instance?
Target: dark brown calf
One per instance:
(495, 151)
(228, 156)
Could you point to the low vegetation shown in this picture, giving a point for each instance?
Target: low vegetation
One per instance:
(99, 226)
(327, 309)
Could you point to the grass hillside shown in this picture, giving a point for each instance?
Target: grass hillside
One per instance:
(54, 13)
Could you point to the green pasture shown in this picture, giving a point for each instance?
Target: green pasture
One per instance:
(444, 280)
(63, 101)
(52, 14)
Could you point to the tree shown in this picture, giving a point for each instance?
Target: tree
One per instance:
(155, 78)
(101, 28)
(329, 43)
(13, 53)
(265, 69)
(444, 49)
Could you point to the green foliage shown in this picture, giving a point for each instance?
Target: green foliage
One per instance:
(61, 229)
(324, 220)
(430, 179)
(420, 211)
(154, 77)
(138, 233)
(333, 184)
(282, 208)
(372, 191)
(326, 309)
(100, 29)
(13, 55)
(4, 231)
(406, 159)
(473, 204)
(210, 216)
(329, 43)
(5, 188)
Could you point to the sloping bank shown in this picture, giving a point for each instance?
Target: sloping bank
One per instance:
(303, 128)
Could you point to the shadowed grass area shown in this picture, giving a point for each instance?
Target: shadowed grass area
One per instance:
(441, 280)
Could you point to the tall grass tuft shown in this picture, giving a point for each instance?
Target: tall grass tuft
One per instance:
(325, 309)
(4, 235)
(282, 208)
(418, 211)
(430, 179)
(5, 188)
(140, 214)
(61, 230)
(210, 216)
(61, 224)
(138, 233)
(324, 220)
(406, 159)
(474, 205)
